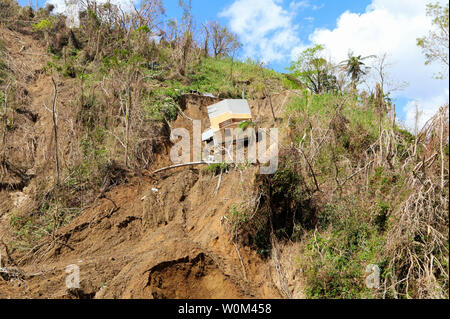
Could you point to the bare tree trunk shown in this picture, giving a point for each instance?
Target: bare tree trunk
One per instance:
(391, 136)
(205, 49)
(5, 122)
(393, 117)
(98, 46)
(417, 115)
(441, 115)
(380, 107)
(186, 50)
(271, 107)
(267, 95)
(127, 124)
(55, 129)
(231, 67)
(381, 137)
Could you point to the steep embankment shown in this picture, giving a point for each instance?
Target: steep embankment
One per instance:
(156, 236)
(31, 123)
(165, 243)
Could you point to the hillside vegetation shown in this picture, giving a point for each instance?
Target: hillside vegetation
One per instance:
(86, 116)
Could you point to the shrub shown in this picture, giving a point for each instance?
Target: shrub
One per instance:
(8, 8)
(335, 258)
(217, 168)
(381, 216)
(238, 216)
(43, 25)
(3, 68)
(161, 107)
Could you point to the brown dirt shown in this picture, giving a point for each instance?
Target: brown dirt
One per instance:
(134, 242)
(169, 244)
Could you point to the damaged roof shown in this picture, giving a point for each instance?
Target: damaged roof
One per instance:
(232, 106)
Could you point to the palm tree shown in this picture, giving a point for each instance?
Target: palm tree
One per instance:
(355, 67)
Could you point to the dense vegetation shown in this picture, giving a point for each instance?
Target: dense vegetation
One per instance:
(353, 186)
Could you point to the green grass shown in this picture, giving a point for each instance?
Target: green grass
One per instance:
(320, 105)
(352, 228)
(30, 228)
(3, 69)
(214, 76)
(335, 258)
(238, 215)
(160, 104)
(355, 127)
(324, 106)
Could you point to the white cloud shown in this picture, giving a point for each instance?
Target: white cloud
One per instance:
(267, 31)
(426, 108)
(305, 4)
(295, 5)
(392, 27)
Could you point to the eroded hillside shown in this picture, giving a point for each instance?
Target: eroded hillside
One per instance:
(156, 236)
(86, 120)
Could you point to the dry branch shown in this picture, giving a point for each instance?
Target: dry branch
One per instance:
(55, 129)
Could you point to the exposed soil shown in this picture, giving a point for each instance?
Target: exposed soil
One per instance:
(157, 236)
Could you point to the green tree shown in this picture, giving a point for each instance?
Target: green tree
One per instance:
(355, 67)
(313, 70)
(223, 41)
(435, 46)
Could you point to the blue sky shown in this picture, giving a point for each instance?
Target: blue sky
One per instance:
(324, 14)
(275, 31)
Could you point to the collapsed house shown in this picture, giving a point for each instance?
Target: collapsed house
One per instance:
(226, 114)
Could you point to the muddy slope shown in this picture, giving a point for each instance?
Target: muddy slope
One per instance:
(157, 236)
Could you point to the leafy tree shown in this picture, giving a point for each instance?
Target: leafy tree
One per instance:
(355, 67)
(313, 70)
(223, 41)
(435, 46)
